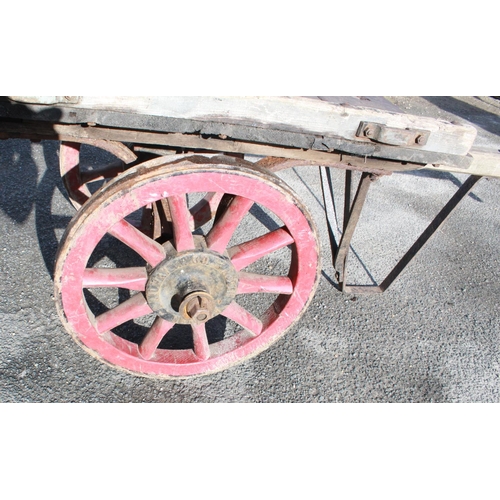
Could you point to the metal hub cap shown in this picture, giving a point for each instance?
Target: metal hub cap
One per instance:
(191, 287)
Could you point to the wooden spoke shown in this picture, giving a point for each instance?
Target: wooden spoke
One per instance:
(135, 307)
(162, 220)
(131, 278)
(146, 224)
(200, 341)
(152, 340)
(241, 316)
(205, 209)
(219, 236)
(181, 217)
(245, 254)
(257, 283)
(151, 251)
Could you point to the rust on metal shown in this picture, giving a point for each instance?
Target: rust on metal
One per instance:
(190, 142)
(198, 307)
(276, 164)
(183, 276)
(392, 136)
(352, 213)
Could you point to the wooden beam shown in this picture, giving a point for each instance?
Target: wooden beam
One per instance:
(484, 163)
(293, 114)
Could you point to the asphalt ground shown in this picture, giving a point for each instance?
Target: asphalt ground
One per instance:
(432, 337)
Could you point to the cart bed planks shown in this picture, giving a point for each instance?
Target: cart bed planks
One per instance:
(302, 115)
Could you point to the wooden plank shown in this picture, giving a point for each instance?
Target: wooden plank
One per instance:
(375, 102)
(484, 163)
(115, 119)
(415, 159)
(293, 114)
(248, 134)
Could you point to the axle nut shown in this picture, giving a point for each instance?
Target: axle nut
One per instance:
(197, 307)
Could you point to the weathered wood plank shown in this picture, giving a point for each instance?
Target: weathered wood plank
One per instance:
(376, 102)
(415, 159)
(292, 114)
(484, 163)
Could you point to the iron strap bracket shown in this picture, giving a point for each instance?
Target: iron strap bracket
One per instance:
(393, 136)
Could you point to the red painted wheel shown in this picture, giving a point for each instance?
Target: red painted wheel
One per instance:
(79, 183)
(77, 180)
(202, 301)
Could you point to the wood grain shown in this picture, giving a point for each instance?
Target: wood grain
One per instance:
(296, 114)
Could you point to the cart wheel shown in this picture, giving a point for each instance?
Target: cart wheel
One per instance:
(203, 300)
(77, 181)
(155, 221)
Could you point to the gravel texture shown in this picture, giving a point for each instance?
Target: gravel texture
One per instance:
(432, 337)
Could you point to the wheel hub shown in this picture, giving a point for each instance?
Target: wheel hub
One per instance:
(191, 287)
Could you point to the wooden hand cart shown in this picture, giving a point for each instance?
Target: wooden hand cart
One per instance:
(174, 208)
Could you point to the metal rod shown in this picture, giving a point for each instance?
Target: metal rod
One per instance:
(430, 230)
(355, 212)
(328, 204)
(347, 198)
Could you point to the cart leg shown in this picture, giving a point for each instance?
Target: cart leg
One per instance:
(438, 221)
(352, 213)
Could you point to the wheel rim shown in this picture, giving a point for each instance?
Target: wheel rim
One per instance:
(217, 275)
(76, 181)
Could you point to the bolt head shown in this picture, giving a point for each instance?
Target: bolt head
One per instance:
(198, 308)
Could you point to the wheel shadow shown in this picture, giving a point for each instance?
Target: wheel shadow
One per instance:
(48, 223)
(22, 191)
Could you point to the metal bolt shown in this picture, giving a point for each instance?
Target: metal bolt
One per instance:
(198, 308)
(368, 131)
(420, 139)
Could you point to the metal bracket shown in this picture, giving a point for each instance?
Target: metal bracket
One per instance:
(378, 132)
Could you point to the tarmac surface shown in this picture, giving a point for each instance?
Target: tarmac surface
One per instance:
(432, 337)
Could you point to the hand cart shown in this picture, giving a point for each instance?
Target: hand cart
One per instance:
(167, 231)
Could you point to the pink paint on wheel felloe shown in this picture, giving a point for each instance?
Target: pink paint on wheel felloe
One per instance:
(105, 213)
(69, 166)
(75, 180)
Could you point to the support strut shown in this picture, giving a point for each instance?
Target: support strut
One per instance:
(352, 213)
